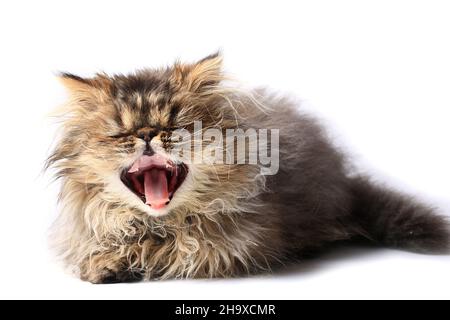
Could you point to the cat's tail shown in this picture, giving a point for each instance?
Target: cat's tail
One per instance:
(395, 220)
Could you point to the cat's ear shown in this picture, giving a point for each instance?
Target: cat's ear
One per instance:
(84, 87)
(199, 76)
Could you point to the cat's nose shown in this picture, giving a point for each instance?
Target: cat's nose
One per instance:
(146, 134)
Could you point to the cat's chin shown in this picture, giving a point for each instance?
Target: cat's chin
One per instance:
(156, 213)
(155, 179)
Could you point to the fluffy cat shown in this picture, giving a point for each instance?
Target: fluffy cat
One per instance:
(130, 210)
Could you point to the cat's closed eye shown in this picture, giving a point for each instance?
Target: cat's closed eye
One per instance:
(120, 135)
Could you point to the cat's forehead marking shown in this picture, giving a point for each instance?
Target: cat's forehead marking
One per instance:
(157, 116)
(145, 100)
(153, 98)
(127, 118)
(138, 100)
(158, 112)
(145, 110)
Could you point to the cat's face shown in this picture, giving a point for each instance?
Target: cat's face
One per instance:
(118, 135)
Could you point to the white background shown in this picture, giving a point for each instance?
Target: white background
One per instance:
(378, 72)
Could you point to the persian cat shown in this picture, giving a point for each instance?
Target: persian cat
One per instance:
(131, 208)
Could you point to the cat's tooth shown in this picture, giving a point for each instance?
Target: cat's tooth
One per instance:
(133, 170)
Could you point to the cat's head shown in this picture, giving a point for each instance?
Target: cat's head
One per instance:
(118, 138)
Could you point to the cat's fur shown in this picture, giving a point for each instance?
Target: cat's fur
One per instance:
(226, 220)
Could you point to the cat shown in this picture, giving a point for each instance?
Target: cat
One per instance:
(131, 210)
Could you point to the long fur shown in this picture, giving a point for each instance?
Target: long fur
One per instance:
(225, 220)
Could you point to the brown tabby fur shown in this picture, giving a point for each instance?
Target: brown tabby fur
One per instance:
(225, 220)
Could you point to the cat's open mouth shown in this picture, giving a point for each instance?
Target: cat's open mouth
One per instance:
(154, 179)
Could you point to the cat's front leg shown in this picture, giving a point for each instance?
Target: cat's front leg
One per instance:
(108, 267)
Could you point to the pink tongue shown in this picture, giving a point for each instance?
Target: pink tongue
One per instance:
(156, 191)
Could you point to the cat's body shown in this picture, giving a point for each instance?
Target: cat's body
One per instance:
(223, 220)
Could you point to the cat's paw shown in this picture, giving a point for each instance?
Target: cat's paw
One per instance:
(108, 276)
